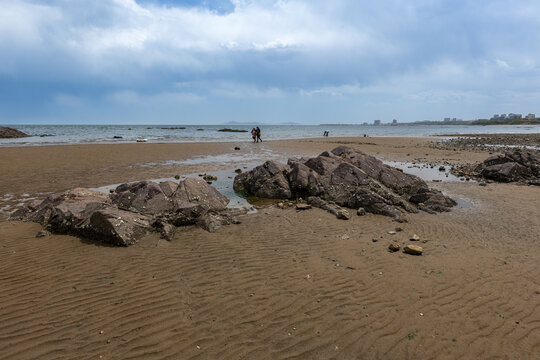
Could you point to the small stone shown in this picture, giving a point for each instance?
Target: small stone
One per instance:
(398, 229)
(111, 191)
(482, 184)
(374, 240)
(236, 148)
(177, 177)
(394, 247)
(42, 233)
(238, 171)
(361, 212)
(101, 331)
(413, 250)
(345, 237)
(303, 207)
(392, 232)
(442, 168)
(343, 214)
(202, 174)
(415, 238)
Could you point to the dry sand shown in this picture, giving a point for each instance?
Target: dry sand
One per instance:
(280, 285)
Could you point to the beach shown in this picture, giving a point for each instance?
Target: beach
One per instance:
(282, 284)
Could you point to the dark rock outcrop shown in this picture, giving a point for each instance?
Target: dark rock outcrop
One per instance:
(10, 133)
(344, 177)
(131, 211)
(517, 165)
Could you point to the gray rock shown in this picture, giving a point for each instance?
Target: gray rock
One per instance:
(515, 165)
(42, 233)
(133, 210)
(346, 178)
(361, 212)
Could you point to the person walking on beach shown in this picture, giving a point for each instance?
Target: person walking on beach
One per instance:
(254, 134)
(259, 134)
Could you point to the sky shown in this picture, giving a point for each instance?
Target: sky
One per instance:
(269, 61)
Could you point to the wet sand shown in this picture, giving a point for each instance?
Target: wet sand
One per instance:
(282, 284)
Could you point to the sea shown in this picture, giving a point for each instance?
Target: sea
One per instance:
(107, 134)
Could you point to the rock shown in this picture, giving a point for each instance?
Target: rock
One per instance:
(482, 184)
(210, 177)
(361, 212)
(347, 178)
(515, 165)
(374, 240)
(392, 232)
(394, 247)
(10, 133)
(236, 148)
(442, 168)
(134, 209)
(42, 233)
(398, 229)
(329, 206)
(166, 230)
(266, 181)
(303, 206)
(413, 250)
(415, 238)
(238, 171)
(177, 177)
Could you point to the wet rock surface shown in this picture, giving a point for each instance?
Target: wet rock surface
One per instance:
(486, 142)
(10, 133)
(131, 211)
(344, 178)
(518, 165)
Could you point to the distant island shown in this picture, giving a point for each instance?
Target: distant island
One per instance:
(232, 130)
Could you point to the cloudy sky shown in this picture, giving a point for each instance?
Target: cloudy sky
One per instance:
(270, 61)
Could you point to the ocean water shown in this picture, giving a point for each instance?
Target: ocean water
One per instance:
(94, 134)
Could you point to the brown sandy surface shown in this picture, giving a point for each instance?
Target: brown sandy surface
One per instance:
(282, 284)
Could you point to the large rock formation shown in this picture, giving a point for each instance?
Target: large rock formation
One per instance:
(9, 133)
(516, 165)
(343, 177)
(131, 211)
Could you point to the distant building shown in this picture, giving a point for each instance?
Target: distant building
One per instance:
(365, 124)
(394, 121)
(446, 119)
(531, 116)
(377, 122)
(515, 116)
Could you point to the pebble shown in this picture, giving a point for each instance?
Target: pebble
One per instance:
(361, 212)
(101, 331)
(374, 239)
(394, 247)
(345, 237)
(303, 206)
(415, 238)
(413, 250)
(392, 232)
(482, 184)
(177, 177)
(42, 233)
(398, 229)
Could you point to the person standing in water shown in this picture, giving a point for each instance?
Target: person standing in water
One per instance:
(258, 134)
(254, 134)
